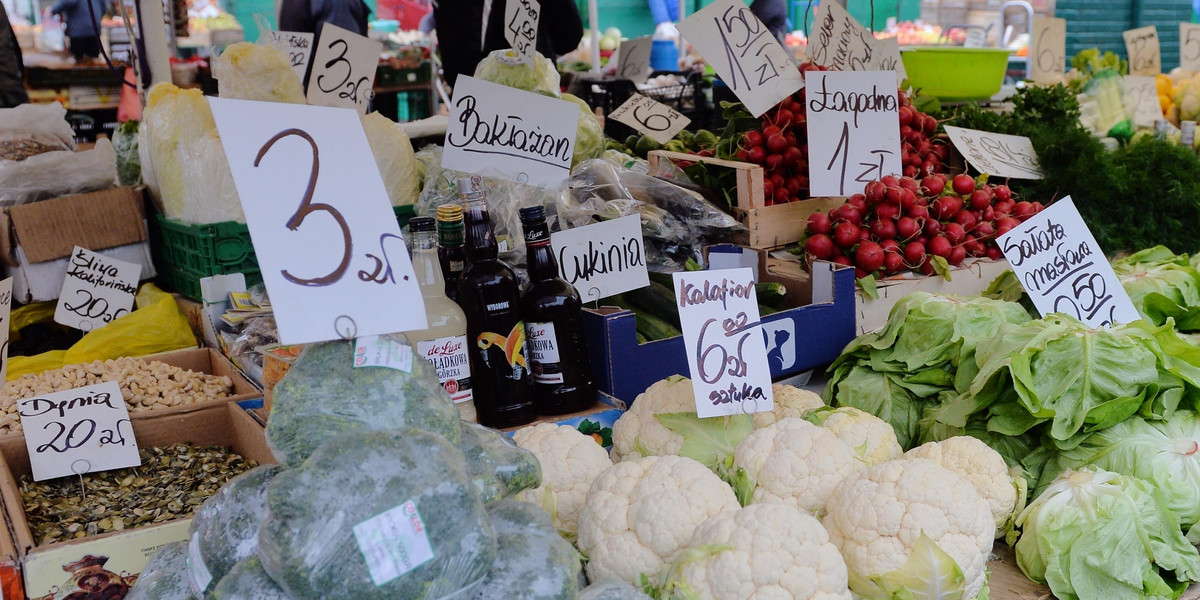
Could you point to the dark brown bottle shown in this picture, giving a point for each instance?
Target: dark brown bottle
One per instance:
(450, 246)
(489, 294)
(562, 380)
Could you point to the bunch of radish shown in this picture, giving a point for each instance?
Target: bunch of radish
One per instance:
(922, 155)
(900, 223)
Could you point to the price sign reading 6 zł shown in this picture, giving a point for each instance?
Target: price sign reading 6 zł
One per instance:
(727, 354)
(327, 241)
(651, 117)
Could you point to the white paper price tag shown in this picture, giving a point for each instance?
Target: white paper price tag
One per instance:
(1142, 47)
(78, 431)
(855, 112)
(393, 542)
(1064, 270)
(996, 154)
(604, 259)
(327, 240)
(521, 25)
(651, 117)
(5, 323)
(887, 58)
(343, 70)
(726, 349)
(497, 128)
(1048, 50)
(1141, 92)
(744, 53)
(633, 59)
(296, 46)
(1189, 46)
(976, 38)
(383, 351)
(841, 42)
(96, 290)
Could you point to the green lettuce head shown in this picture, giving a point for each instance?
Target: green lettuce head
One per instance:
(1162, 285)
(1097, 535)
(506, 67)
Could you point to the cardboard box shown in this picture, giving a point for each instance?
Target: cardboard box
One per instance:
(52, 571)
(36, 239)
(801, 338)
(12, 587)
(969, 279)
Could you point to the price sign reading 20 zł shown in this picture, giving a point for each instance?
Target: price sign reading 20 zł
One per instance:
(78, 431)
(744, 53)
(726, 350)
(326, 238)
(854, 113)
(343, 69)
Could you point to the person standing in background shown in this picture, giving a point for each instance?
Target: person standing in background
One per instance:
(559, 28)
(12, 68)
(83, 26)
(459, 26)
(773, 14)
(308, 16)
(665, 11)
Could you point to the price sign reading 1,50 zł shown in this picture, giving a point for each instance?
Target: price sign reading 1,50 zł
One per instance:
(727, 354)
(327, 241)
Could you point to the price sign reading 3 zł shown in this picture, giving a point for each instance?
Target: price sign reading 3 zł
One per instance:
(343, 70)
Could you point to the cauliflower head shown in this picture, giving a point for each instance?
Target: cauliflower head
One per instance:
(641, 513)
(982, 467)
(796, 463)
(570, 462)
(774, 551)
(872, 439)
(879, 520)
(637, 433)
(790, 401)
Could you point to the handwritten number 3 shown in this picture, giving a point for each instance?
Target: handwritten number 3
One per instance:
(307, 207)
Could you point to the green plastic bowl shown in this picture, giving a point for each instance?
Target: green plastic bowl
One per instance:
(954, 72)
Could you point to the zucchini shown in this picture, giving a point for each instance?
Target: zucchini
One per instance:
(648, 325)
(769, 293)
(657, 300)
(641, 339)
(662, 278)
(764, 310)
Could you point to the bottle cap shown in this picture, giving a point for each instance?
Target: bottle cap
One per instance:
(422, 224)
(470, 188)
(533, 214)
(450, 212)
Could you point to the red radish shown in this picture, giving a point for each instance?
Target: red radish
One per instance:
(911, 171)
(781, 196)
(908, 199)
(923, 240)
(773, 161)
(989, 214)
(947, 207)
(784, 117)
(928, 167)
(933, 185)
(910, 184)
(818, 222)
(752, 139)
(795, 107)
(860, 272)
(743, 155)
(869, 256)
(890, 181)
(793, 186)
(963, 185)
(858, 202)
(883, 229)
(957, 255)
(980, 199)
(769, 131)
(776, 143)
(918, 212)
(932, 227)
(1022, 210)
(893, 262)
(875, 191)
(914, 253)
(777, 179)
(1037, 207)
(955, 233)
(845, 234)
(820, 246)
(906, 116)
(907, 228)
(842, 260)
(1005, 225)
(906, 132)
(890, 245)
(792, 156)
(893, 195)
(1002, 192)
(887, 212)
(1003, 208)
(994, 253)
(768, 189)
(984, 230)
(864, 234)
(966, 220)
(926, 267)
(790, 137)
(930, 124)
(940, 246)
(756, 155)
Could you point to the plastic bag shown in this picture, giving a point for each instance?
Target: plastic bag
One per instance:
(499, 468)
(224, 529)
(34, 128)
(261, 72)
(155, 326)
(248, 581)
(326, 519)
(60, 173)
(532, 561)
(395, 158)
(165, 576)
(324, 394)
(129, 164)
(256, 332)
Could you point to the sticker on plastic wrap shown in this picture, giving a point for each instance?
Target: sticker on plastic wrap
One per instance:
(393, 543)
(382, 351)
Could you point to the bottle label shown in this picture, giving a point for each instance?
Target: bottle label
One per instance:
(509, 348)
(456, 266)
(543, 349)
(449, 357)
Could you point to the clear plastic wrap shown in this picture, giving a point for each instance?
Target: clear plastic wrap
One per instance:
(256, 332)
(499, 468)
(506, 67)
(248, 581)
(60, 173)
(331, 521)
(34, 128)
(247, 71)
(165, 576)
(323, 395)
(611, 589)
(395, 158)
(532, 561)
(125, 142)
(224, 529)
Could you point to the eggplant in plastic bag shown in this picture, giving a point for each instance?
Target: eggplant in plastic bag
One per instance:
(248, 581)
(334, 524)
(497, 465)
(323, 394)
(224, 529)
(533, 562)
(165, 576)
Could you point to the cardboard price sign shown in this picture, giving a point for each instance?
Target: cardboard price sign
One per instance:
(744, 53)
(328, 243)
(524, 135)
(856, 113)
(1189, 46)
(1145, 56)
(633, 59)
(841, 42)
(1064, 270)
(296, 46)
(604, 259)
(651, 117)
(5, 323)
(343, 69)
(97, 289)
(976, 38)
(1048, 50)
(521, 25)
(78, 431)
(887, 58)
(1141, 93)
(996, 154)
(726, 349)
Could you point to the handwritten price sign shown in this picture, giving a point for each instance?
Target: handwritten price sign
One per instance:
(5, 323)
(887, 58)
(1189, 46)
(521, 25)
(326, 238)
(855, 113)
(1141, 92)
(996, 154)
(343, 69)
(97, 289)
(633, 59)
(78, 431)
(297, 47)
(1064, 270)
(1145, 57)
(726, 351)
(651, 117)
(841, 42)
(604, 259)
(1048, 50)
(744, 53)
